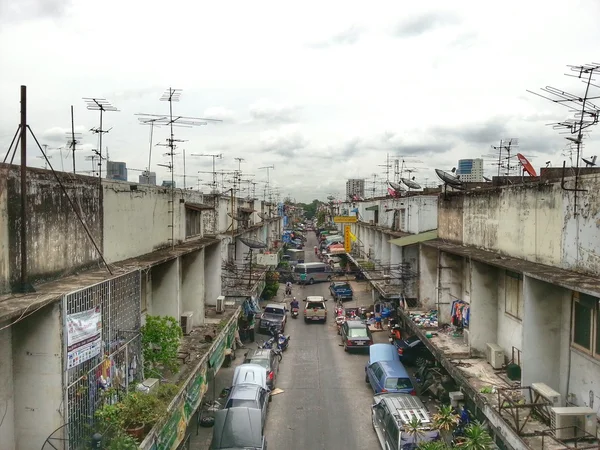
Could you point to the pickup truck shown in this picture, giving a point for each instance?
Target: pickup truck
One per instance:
(274, 315)
(341, 291)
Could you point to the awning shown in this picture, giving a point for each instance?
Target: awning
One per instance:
(372, 208)
(414, 238)
(198, 206)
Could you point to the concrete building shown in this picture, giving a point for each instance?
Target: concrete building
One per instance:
(116, 170)
(524, 262)
(169, 183)
(470, 170)
(355, 186)
(110, 257)
(147, 178)
(388, 231)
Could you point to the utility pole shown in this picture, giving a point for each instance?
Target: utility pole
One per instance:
(102, 105)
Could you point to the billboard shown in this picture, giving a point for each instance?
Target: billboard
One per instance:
(345, 219)
(347, 239)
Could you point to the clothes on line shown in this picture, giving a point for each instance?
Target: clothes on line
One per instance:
(460, 313)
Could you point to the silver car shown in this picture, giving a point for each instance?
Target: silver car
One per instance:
(249, 396)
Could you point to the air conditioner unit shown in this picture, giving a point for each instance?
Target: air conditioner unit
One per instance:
(547, 393)
(573, 422)
(495, 356)
(186, 322)
(220, 304)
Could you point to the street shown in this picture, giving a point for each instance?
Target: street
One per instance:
(325, 403)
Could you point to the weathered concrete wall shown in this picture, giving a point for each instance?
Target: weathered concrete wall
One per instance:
(535, 222)
(7, 425)
(410, 256)
(57, 243)
(212, 273)
(193, 285)
(166, 289)
(510, 328)
(139, 222)
(428, 272)
(483, 324)
(37, 371)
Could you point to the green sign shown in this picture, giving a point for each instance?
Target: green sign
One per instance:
(173, 430)
(194, 393)
(218, 356)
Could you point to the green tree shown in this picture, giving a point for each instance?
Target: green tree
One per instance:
(160, 341)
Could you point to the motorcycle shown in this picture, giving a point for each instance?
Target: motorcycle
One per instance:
(278, 340)
(267, 345)
(295, 313)
(288, 291)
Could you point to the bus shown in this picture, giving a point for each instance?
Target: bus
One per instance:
(315, 272)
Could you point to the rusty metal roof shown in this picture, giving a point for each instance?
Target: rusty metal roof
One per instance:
(568, 279)
(15, 305)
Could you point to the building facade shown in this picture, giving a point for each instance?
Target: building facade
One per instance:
(355, 186)
(116, 170)
(470, 170)
(110, 256)
(147, 178)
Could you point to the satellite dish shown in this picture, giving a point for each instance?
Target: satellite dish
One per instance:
(590, 162)
(393, 193)
(487, 179)
(263, 216)
(252, 243)
(450, 179)
(527, 167)
(410, 183)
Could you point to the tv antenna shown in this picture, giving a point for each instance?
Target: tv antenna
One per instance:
(45, 156)
(214, 171)
(173, 95)
(268, 185)
(102, 105)
(387, 166)
(152, 123)
(585, 115)
(503, 153)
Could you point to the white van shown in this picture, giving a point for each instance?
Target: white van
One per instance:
(315, 271)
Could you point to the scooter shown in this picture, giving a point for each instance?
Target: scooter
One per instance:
(278, 340)
(288, 291)
(295, 313)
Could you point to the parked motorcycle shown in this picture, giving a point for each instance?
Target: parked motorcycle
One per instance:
(295, 313)
(278, 340)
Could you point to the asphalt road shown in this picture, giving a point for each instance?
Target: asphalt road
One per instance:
(326, 402)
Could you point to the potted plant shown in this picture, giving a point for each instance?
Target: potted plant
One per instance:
(476, 438)
(445, 420)
(433, 445)
(161, 337)
(414, 429)
(138, 411)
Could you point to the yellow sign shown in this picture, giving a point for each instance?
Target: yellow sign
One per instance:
(344, 219)
(347, 239)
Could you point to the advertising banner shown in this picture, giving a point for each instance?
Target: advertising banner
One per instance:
(347, 239)
(173, 431)
(84, 336)
(345, 219)
(195, 391)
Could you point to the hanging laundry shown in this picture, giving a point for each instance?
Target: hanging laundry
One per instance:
(459, 313)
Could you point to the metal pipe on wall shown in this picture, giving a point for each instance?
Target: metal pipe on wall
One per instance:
(23, 187)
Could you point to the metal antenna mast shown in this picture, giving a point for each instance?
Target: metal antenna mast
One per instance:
(102, 105)
(152, 123)
(387, 166)
(45, 158)
(172, 95)
(267, 187)
(214, 170)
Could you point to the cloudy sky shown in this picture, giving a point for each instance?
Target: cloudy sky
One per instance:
(322, 91)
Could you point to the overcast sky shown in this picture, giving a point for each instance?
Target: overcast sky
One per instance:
(321, 90)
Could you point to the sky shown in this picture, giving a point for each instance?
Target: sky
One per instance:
(320, 91)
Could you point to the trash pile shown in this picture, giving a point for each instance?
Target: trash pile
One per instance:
(425, 320)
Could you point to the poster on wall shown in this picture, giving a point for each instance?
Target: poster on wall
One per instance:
(84, 336)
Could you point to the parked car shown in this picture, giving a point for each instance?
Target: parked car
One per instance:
(274, 315)
(389, 376)
(238, 428)
(391, 414)
(341, 291)
(268, 360)
(249, 396)
(412, 350)
(355, 335)
(250, 374)
(315, 309)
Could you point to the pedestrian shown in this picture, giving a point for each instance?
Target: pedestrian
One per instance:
(378, 320)
(316, 250)
(302, 279)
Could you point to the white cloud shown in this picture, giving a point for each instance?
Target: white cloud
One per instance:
(322, 96)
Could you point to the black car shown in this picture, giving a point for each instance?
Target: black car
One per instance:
(412, 350)
(355, 335)
(238, 428)
(268, 359)
(274, 316)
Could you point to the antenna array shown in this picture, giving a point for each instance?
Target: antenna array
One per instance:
(102, 105)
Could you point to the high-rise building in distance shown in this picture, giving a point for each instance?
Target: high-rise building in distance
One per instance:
(355, 186)
(470, 170)
(147, 178)
(116, 170)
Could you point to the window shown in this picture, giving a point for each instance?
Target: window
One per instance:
(513, 294)
(586, 323)
(193, 221)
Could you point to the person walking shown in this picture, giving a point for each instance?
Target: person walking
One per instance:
(302, 279)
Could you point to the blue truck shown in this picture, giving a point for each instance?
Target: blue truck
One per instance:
(341, 291)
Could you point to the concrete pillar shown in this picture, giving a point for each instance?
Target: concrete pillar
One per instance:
(428, 263)
(192, 285)
(166, 291)
(483, 324)
(450, 283)
(38, 383)
(395, 254)
(212, 273)
(542, 321)
(7, 429)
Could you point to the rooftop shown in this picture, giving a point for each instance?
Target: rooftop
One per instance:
(554, 275)
(15, 305)
(475, 375)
